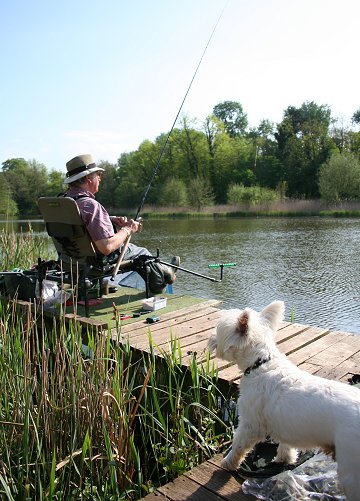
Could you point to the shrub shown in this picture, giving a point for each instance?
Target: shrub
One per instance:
(339, 178)
(238, 194)
(173, 193)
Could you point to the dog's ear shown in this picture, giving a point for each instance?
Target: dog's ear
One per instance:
(242, 323)
(273, 314)
(212, 344)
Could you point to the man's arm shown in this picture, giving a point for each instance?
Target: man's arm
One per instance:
(108, 245)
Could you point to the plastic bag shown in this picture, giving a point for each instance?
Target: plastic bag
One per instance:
(51, 294)
(316, 478)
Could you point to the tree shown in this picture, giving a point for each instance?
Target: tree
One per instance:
(231, 113)
(193, 148)
(109, 183)
(27, 181)
(339, 178)
(267, 167)
(7, 205)
(134, 173)
(356, 117)
(303, 145)
(200, 193)
(173, 193)
(55, 184)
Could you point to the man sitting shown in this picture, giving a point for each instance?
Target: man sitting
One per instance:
(83, 177)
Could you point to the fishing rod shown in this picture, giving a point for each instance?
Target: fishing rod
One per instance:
(142, 202)
(140, 263)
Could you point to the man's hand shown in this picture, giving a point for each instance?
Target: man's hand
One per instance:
(124, 222)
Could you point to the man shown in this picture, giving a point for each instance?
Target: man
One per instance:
(83, 177)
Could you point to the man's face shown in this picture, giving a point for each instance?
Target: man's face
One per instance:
(94, 181)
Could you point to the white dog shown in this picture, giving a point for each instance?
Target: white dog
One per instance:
(279, 400)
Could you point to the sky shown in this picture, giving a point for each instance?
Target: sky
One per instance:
(101, 76)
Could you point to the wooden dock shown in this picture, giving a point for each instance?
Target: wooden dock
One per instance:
(330, 354)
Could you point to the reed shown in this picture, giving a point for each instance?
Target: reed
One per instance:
(103, 422)
(21, 250)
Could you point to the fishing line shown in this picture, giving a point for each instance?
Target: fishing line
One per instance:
(126, 243)
(177, 115)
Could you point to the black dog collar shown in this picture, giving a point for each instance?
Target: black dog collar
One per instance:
(259, 361)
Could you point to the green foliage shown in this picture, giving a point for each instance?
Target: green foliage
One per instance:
(55, 184)
(200, 193)
(104, 424)
(356, 117)
(109, 181)
(303, 145)
(28, 181)
(221, 150)
(21, 250)
(8, 206)
(231, 113)
(173, 194)
(339, 178)
(238, 194)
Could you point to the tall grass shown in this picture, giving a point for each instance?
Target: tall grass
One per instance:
(21, 250)
(102, 423)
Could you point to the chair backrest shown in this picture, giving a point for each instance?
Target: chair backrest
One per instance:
(66, 228)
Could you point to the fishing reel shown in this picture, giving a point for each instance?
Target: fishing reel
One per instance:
(140, 221)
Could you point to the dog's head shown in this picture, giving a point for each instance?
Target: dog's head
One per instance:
(244, 335)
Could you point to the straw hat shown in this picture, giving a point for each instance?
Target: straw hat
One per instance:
(79, 167)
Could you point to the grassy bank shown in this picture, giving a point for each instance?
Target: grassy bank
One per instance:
(287, 208)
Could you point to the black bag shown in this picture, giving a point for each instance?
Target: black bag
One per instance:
(19, 284)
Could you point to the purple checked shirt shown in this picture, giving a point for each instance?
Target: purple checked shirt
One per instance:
(94, 215)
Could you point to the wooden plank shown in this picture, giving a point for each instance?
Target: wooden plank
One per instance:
(177, 316)
(303, 338)
(185, 489)
(339, 372)
(289, 331)
(166, 326)
(154, 496)
(338, 352)
(207, 481)
(311, 368)
(187, 347)
(304, 354)
(231, 373)
(161, 334)
(218, 480)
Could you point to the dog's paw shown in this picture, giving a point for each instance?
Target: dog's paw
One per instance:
(229, 463)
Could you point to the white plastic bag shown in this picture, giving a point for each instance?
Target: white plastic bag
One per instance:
(52, 296)
(316, 478)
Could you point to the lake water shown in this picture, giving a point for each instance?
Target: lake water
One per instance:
(312, 264)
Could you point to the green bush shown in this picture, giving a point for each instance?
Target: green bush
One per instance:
(173, 194)
(339, 178)
(238, 194)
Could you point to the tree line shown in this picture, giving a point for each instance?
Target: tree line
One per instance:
(308, 155)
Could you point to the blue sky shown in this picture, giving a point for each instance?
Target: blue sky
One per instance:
(91, 76)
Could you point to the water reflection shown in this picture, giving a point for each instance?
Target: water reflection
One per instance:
(312, 264)
(23, 225)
